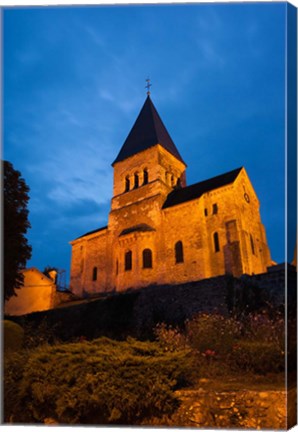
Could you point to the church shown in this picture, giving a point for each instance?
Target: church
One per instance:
(161, 230)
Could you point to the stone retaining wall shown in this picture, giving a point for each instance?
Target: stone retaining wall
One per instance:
(137, 312)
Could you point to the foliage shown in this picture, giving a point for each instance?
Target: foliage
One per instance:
(257, 357)
(36, 335)
(170, 338)
(16, 248)
(13, 336)
(212, 332)
(255, 343)
(48, 269)
(99, 382)
(261, 349)
(262, 328)
(13, 369)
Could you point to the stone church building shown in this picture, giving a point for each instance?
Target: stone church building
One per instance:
(161, 231)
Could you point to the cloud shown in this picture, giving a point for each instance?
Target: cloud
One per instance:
(211, 53)
(71, 176)
(106, 95)
(70, 152)
(95, 37)
(70, 117)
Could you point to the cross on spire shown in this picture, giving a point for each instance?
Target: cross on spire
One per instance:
(148, 85)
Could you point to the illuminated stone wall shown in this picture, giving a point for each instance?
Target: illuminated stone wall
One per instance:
(37, 294)
(89, 253)
(137, 222)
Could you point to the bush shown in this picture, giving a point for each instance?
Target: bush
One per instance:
(13, 336)
(254, 344)
(260, 327)
(257, 357)
(212, 333)
(13, 369)
(100, 382)
(170, 338)
(36, 335)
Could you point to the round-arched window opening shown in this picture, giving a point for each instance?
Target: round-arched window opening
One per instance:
(147, 258)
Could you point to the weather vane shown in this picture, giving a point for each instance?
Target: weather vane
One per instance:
(148, 85)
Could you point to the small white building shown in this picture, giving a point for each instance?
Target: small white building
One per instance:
(37, 294)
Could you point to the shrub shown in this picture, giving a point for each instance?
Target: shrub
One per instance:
(260, 327)
(212, 333)
(13, 336)
(254, 343)
(39, 334)
(101, 382)
(170, 338)
(13, 369)
(257, 357)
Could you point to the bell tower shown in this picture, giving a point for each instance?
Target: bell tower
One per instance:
(148, 163)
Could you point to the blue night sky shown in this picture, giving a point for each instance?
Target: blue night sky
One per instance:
(74, 81)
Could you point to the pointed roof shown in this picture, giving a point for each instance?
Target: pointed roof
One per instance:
(188, 193)
(147, 131)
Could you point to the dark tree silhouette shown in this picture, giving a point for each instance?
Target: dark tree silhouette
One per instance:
(16, 248)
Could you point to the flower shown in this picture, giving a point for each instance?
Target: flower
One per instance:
(209, 353)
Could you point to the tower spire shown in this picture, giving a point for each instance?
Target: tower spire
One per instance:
(147, 86)
(147, 131)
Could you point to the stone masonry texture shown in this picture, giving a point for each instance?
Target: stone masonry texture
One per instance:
(221, 231)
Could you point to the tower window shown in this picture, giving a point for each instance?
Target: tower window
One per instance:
(172, 180)
(94, 274)
(147, 258)
(216, 242)
(252, 244)
(117, 267)
(179, 252)
(206, 212)
(145, 175)
(136, 180)
(214, 209)
(127, 184)
(128, 261)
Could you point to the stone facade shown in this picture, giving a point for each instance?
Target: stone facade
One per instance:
(161, 231)
(37, 294)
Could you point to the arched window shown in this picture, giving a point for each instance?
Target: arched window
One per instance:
(94, 274)
(147, 258)
(128, 261)
(216, 242)
(172, 180)
(136, 180)
(127, 184)
(179, 252)
(145, 174)
(117, 267)
(214, 209)
(252, 244)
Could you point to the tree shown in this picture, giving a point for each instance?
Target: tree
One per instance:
(16, 248)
